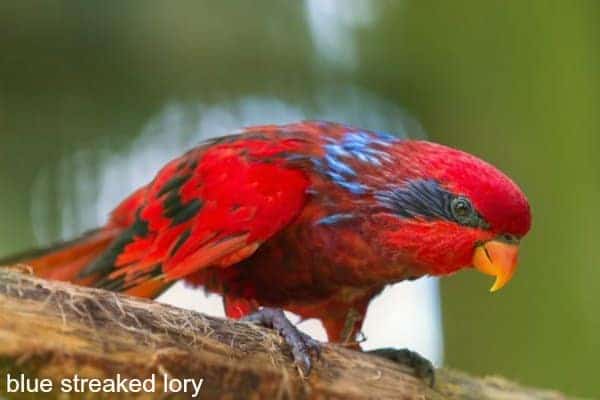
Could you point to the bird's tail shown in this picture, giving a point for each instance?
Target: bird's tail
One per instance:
(64, 261)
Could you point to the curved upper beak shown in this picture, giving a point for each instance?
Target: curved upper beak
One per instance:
(497, 258)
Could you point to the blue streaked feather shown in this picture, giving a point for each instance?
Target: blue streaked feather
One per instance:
(334, 219)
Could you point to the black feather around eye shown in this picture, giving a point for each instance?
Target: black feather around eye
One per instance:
(429, 200)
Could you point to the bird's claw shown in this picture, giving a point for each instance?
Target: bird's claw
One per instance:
(304, 348)
(421, 366)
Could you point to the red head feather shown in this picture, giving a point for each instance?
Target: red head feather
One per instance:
(497, 198)
(429, 174)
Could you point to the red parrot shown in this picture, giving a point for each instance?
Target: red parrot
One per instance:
(314, 218)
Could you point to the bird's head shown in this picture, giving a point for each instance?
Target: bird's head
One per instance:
(447, 210)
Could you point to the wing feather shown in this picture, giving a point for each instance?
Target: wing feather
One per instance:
(213, 207)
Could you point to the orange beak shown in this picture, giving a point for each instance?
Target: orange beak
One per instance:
(498, 259)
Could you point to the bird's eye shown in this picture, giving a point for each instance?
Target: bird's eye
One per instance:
(462, 210)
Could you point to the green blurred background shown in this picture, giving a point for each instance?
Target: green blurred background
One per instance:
(516, 82)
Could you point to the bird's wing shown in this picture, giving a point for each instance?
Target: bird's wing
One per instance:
(214, 206)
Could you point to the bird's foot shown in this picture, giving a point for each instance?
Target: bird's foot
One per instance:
(421, 366)
(303, 347)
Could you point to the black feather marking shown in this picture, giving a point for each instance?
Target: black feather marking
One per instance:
(173, 184)
(181, 240)
(139, 227)
(178, 212)
(106, 261)
(171, 204)
(424, 198)
(187, 212)
(121, 284)
(115, 285)
(155, 272)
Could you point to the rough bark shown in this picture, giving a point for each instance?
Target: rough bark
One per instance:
(55, 330)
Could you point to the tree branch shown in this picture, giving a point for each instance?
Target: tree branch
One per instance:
(55, 330)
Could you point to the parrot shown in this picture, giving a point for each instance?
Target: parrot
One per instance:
(314, 218)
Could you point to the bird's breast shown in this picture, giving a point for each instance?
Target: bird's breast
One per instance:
(310, 260)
